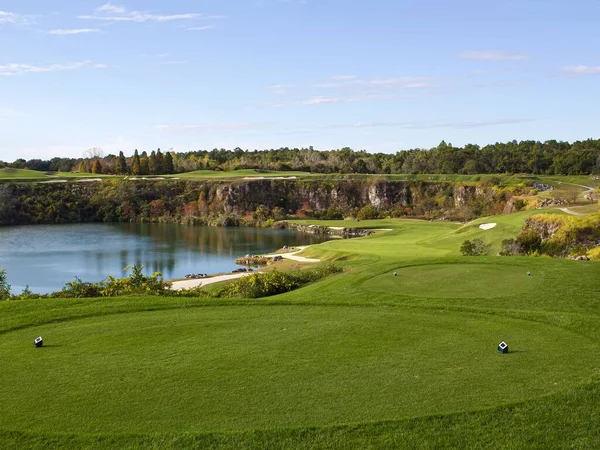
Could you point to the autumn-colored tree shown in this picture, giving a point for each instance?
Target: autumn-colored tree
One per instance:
(97, 167)
(83, 167)
(136, 164)
(157, 208)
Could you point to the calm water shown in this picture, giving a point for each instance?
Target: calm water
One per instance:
(46, 257)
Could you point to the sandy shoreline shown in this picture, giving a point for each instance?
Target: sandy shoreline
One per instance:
(191, 284)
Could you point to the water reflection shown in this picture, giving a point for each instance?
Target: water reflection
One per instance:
(46, 257)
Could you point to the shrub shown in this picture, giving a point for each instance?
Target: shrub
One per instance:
(594, 254)
(529, 241)
(510, 247)
(135, 283)
(476, 247)
(79, 289)
(368, 212)
(519, 204)
(272, 283)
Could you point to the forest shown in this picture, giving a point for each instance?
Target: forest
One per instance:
(532, 157)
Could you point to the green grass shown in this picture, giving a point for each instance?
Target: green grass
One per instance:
(242, 368)
(246, 173)
(359, 360)
(590, 208)
(476, 280)
(36, 175)
(16, 174)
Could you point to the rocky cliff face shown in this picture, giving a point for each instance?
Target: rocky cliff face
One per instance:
(218, 202)
(319, 195)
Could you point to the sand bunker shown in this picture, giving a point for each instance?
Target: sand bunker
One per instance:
(487, 226)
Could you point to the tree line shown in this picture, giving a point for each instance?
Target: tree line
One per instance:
(533, 157)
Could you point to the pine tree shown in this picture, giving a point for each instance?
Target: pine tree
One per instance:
(144, 165)
(83, 167)
(136, 164)
(97, 167)
(152, 163)
(169, 167)
(121, 168)
(160, 163)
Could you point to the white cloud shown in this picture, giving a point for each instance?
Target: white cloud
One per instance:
(20, 69)
(11, 18)
(204, 28)
(69, 31)
(223, 127)
(113, 13)
(492, 56)
(582, 70)
(110, 8)
(325, 100)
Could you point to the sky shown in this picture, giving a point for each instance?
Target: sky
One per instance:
(379, 75)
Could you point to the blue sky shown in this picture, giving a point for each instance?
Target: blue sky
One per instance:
(381, 75)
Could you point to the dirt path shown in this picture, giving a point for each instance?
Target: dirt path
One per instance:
(588, 188)
(570, 211)
(293, 256)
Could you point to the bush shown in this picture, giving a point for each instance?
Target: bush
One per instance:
(594, 254)
(530, 242)
(79, 289)
(273, 283)
(510, 247)
(476, 247)
(368, 212)
(134, 284)
(519, 204)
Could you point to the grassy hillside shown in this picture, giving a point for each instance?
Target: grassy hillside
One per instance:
(35, 175)
(16, 174)
(363, 359)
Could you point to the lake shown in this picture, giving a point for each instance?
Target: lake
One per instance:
(45, 257)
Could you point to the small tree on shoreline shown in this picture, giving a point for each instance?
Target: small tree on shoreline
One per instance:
(4, 286)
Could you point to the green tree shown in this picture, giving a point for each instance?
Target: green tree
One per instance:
(152, 167)
(135, 164)
(121, 168)
(160, 163)
(169, 167)
(4, 286)
(476, 247)
(144, 164)
(361, 166)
